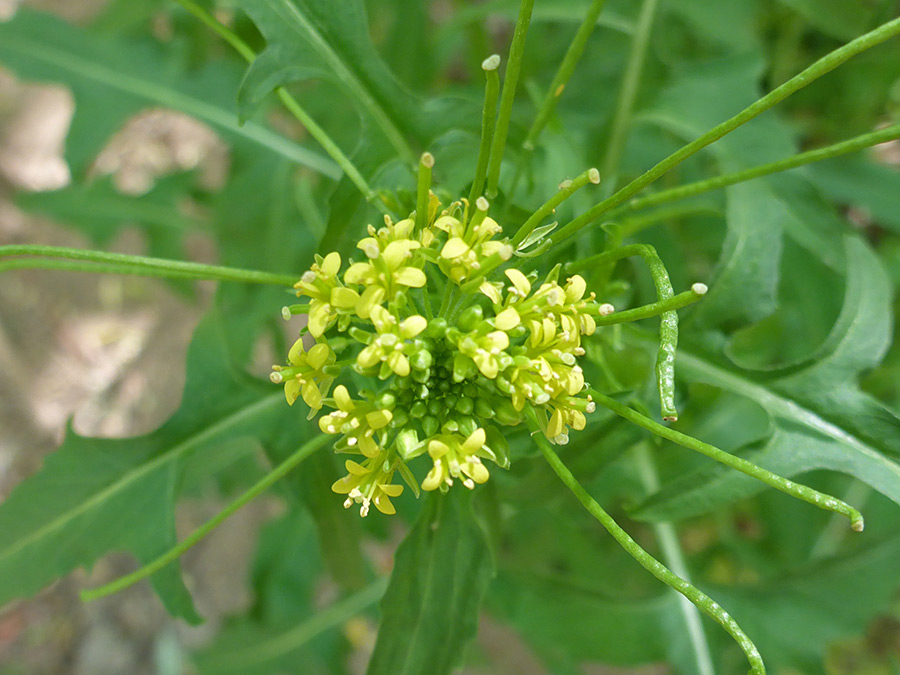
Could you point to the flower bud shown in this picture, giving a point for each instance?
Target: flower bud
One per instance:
(471, 317)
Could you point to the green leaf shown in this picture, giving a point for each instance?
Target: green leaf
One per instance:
(838, 18)
(566, 623)
(113, 79)
(431, 607)
(795, 614)
(307, 38)
(286, 573)
(94, 496)
(758, 213)
(863, 183)
(823, 420)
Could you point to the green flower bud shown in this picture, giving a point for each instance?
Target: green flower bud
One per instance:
(407, 442)
(437, 327)
(471, 317)
(465, 405)
(386, 400)
(401, 419)
(430, 425)
(506, 414)
(467, 426)
(421, 360)
(483, 408)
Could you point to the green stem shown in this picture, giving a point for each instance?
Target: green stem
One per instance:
(488, 116)
(702, 601)
(829, 540)
(290, 641)
(668, 323)
(691, 189)
(824, 65)
(315, 130)
(564, 73)
(220, 29)
(625, 103)
(446, 301)
(802, 492)
(672, 555)
(510, 80)
(120, 263)
(423, 190)
(330, 147)
(93, 268)
(566, 190)
(176, 552)
(655, 308)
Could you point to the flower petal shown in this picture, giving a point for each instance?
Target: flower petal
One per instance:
(507, 319)
(412, 326)
(412, 277)
(454, 248)
(331, 264)
(519, 280)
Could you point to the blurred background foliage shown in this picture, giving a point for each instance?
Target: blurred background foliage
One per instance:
(789, 361)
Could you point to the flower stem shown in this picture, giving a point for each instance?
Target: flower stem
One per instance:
(802, 492)
(625, 103)
(94, 268)
(653, 309)
(120, 263)
(668, 324)
(299, 112)
(564, 73)
(691, 189)
(174, 553)
(702, 601)
(510, 80)
(824, 65)
(671, 553)
(488, 116)
(423, 189)
(566, 190)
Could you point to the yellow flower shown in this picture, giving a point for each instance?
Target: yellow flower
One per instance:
(486, 350)
(357, 421)
(456, 456)
(306, 375)
(564, 413)
(389, 347)
(385, 274)
(467, 249)
(369, 483)
(319, 282)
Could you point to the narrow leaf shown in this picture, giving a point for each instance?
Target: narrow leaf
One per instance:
(431, 607)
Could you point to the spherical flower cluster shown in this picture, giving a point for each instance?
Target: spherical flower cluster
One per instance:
(442, 382)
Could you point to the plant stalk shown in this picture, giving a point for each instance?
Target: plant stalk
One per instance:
(197, 535)
(121, 263)
(821, 67)
(702, 601)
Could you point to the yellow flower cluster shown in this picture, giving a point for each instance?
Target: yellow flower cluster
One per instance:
(443, 381)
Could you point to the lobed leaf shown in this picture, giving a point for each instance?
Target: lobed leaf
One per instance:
(94, 496)
(822, 419)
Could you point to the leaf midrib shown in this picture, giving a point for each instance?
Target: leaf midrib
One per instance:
(171, 98)
(292, 14)
(191, 442)
(777, 404)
